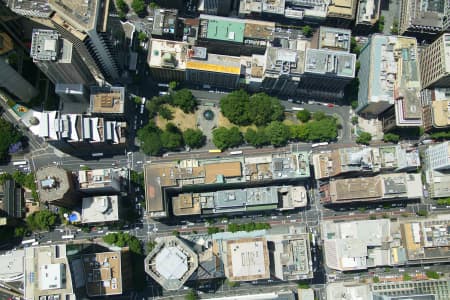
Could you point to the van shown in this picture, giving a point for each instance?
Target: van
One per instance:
(142, 108)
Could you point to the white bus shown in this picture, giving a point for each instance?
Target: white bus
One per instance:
(298, 108)
(166, 85)
(67, 237)
(319, 144)
(30, 241)
(20, 163)
(235, 152)
(97, 154)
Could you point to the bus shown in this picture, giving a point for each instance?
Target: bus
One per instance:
(166, 85)
(235, 152)
(319, 144)
(30, 241)
(67, 237)
(298, 108)
(20, 163)
(215, 151)
(97, 154)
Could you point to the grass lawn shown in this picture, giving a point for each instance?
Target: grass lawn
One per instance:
(224, 122)
(180, 119)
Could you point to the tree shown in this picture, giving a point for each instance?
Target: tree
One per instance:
(380, 24)
(406, 277)
(138, 6)
(278, 133)
(394, 29)
(185, 101)
(319, 115)
(443, 201)
(432, 274)
(354, 47)
(173, 85)
(176, 233)
(165, 113)
(153, 5)
(300, 132)
(304, 115)
(376, 279)
(191, 295)
(422, 213)
(122, 6)
(364, 138)
(391, 137)
(41, 220)
(303, 285)
(9, 136)
(224, 138)
(263, 109)
(142, 37)
(171, 138)
(323, 130)
(354, 104)
(307, 31)
(355, 120)
(256, 138)
(194, 138)
(234, 107)
(149, 136)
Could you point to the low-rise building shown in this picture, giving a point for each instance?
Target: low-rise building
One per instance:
(238, 172)
(171, 263)
(47, 273)
(384, 187)
(11, 199)
(99, 181)
(240, 201)
(348, 291)
(107, 101)
(336, 39)
(437, 162)
(166, 23)
(390, 81)
(38, 8)
(417, 289)
(435, 111)
(13, 262)
(100, 209)
(368, 13)
(56, 186)
(103, 274)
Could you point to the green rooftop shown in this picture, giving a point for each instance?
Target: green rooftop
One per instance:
(226, 30)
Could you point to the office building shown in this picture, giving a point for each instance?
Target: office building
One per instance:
(165, 23)
(90, 28)
(167, 60)
(240, 201)
(15, 83)
(435, 63)
(348, 291)
(171, 262)
(275, 295)
(417, 289)
(357, 245)
(242, 172)
(99, 181)
(385, 187)
(11, 199)
(36, 9)
(47, 273)
(100, 209)
(435, 110)
(335, 39)
(426, 240)
(56, 186)
(14, 260)
(327, 72)
(215, 7)
(107, 101)
(102, 274)
(389, 81)
(58, 60)
(368, 13)
(341, 13)
(356, 160)
(437, 163)
(423, 18)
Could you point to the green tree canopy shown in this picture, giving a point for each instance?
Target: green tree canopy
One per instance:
(185, 100)
(149, 136)
(9, 136)
(142, 36)
(191, 295)
(278, 133)
(194, 138)
(173, 85)
(263, 109)
(323, 130)
(165, 112)
(171, 138)
(234, 107)
(391, 137)
(122, 6)
(41, 220)
(224, 138)
(319, 115)
(304, 115)
(138, 6)
(364, 138)
(307, 31)
(256, 138)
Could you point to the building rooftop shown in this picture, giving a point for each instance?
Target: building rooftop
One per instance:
(348, 291)
(53, 183)
(45, 45)
(247, 259)
(368, 12)
(165, 21)
(171, 263)
(301, 9)
(330, 63)
(167, 54)
(6, 43)
(334, 38)
(222, 28)
(273, 6)
(107, 100)
(36, 8)
(429, 14)
(100, 209)
(261, 30)
(342, 8)
(415, 290)
(47, 273)
(216, 63)
(103, 274)
(98, 179)
(82, 14)
(13, 265)
(282, 61)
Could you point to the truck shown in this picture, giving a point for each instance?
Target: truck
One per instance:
(97, 154)
(20, 163)
(297, 108)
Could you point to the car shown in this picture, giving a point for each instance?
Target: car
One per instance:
(330, 105)
(142, 108)
(273, 217)
(290, 100)
(184, 227)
